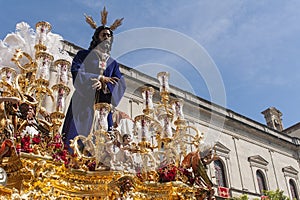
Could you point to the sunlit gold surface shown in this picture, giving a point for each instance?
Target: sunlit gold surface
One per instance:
(44, 179)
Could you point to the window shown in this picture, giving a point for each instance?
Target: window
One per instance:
(291, 175)
(293, 189)
(261, 181)
(220, 173)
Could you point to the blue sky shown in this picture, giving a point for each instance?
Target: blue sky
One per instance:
(253, 45)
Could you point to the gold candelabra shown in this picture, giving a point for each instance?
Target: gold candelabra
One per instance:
(25, 93)
(154, 140)
(151, 161)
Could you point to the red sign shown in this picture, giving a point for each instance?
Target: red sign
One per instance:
(223, 192)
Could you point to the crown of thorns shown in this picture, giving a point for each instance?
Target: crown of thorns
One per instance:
(92, 23)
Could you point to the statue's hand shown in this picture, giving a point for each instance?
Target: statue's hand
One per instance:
(112, 80)
(97, 84)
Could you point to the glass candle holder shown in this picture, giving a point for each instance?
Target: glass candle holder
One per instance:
(177, 106)
(62, 67)
(166, 123)
(60, 94)
(42, 29)
(163, 78)
(142, 127)
(101, 111)
(147, 93)
(44, 61)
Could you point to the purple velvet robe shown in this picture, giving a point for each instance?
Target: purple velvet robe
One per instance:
(79, 117)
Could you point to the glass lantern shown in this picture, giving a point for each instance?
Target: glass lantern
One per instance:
(100, 123)
(163, 78)
(142, 127)
(60, 94)
(62, 67)
(42, 29)
(147, 93)
(44, 61)
(177, 105)
(166, 123)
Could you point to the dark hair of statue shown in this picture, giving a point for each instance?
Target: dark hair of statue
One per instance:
(95, 39)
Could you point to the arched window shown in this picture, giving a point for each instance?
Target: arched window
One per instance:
(293, 189)
(220, 173)
(261, 181)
